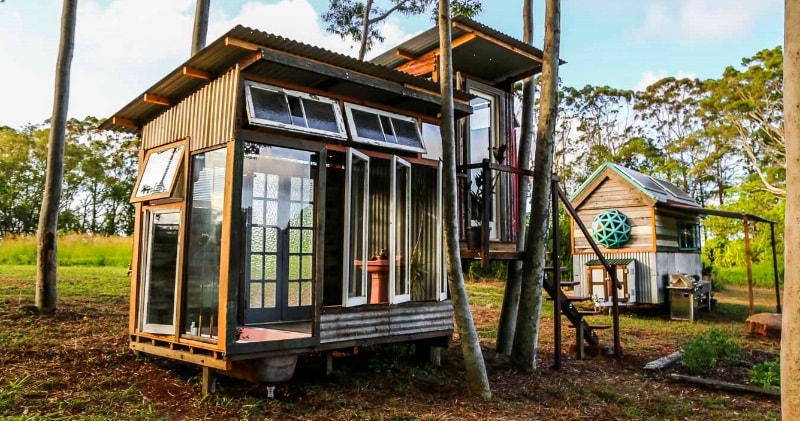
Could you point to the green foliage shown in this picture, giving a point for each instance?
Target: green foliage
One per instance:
(702, 353)
(767, 374)
(762, 275)
(73, 250)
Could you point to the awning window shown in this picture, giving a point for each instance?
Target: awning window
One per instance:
(296, 111)
(158, 178)
(382, 128)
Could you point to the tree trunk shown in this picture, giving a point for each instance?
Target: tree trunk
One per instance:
(508, 315)
(790, 338)
(526, 337)
(48, 215)
(200, 25)
(362, 50)
(477, 380)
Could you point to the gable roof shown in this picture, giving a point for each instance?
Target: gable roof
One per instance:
(281, 58)
(478, 50)
(660, 191)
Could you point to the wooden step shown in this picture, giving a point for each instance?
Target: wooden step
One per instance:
(570, 284)
(550, 268)
(589, 312)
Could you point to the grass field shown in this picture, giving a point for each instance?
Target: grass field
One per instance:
(76, 364)
(73, 250)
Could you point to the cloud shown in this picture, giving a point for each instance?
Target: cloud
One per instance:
(702, 20)
(122, 47)
(650, 77)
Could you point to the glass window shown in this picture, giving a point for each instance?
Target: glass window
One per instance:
(293, 110)
(203, 251)
(160, 263)
(157, 180)
(356, 228)
(433, 141)
(688, 235)
(400, 245)
(382, 128)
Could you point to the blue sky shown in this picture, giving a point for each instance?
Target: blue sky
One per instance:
(124, 46)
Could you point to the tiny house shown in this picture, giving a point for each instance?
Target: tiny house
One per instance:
(289, 198)
(647, 228)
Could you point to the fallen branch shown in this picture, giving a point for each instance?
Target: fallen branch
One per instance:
(718, 384)
(663, 362)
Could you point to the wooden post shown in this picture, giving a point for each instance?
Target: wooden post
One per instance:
(487, 208)
(555, 278)
(747, 261)
(775, 269)
(209, 381)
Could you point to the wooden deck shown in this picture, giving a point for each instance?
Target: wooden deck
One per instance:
(498, 250)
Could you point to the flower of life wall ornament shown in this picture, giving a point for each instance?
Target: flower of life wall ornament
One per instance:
(611, 228)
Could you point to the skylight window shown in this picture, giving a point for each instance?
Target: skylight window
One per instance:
(382, 128)
(296, 111)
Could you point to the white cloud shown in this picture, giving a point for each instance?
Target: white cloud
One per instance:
(124, 46)
(702, 20)
(650, 77)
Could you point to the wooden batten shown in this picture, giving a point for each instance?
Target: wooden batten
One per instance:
(155, 99)
(405, 54)
(195, 73)
(124, 122)
(245, 45)
(419, 67)
(226, 266)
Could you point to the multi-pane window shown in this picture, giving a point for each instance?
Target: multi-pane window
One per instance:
(292, 110)
(688, 235)
(382, 128)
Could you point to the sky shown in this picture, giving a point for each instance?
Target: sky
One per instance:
(122, 47)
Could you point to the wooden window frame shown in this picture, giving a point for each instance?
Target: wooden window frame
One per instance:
(348, 110)
(695, 235)
(249, 85)
(143, 167)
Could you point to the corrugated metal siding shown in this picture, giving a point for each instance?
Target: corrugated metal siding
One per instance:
(207, 116)
(379, 206)
(359, 323)
(648, 290)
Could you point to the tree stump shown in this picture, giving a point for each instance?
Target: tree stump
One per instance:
(764, 324)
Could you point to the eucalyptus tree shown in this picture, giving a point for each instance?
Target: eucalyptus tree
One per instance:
(790, 336)
(523, 353)
(358, 20)
(477, 379)
(508, 314)
(749, 101)
(46, 278)
(200, 25)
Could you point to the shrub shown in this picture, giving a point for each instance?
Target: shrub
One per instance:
(767, 374)
(702, 353)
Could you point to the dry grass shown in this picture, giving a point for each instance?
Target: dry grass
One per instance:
(77, 364)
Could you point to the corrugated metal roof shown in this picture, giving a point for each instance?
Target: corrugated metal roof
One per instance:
(664, 192)
(613, 262)
(218, 56)
(486, 56)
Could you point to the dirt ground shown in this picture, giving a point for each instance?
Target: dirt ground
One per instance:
(77, 364)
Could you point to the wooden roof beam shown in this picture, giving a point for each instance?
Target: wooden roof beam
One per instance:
(245, 45)
(124, 122)
(155, 99)
(405, 54)
(195, 73)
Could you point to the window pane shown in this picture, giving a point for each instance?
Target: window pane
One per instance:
(356, 286)
(305, 296)
(308, 241)
(367, 125)
(159, 172)
(258, 184)
(294, 267)
(387, 129)
(256, 267)
(270, 267)
(407, 134)
(320, 115)
(257, 239)
(205, 233)
(256, 294)
(271, 106)
(433, 141)
(296, 111)
(162, 259)
(402, 221)
(294, 294)
(270, 296)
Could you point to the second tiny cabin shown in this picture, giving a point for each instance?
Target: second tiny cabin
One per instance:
(647, 228)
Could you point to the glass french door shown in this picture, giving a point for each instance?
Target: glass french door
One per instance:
(356, 228)
(160, 264)
(279, 201)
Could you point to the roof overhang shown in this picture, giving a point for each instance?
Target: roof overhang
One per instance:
(478, 50)
(288, 61)
(713, 212)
